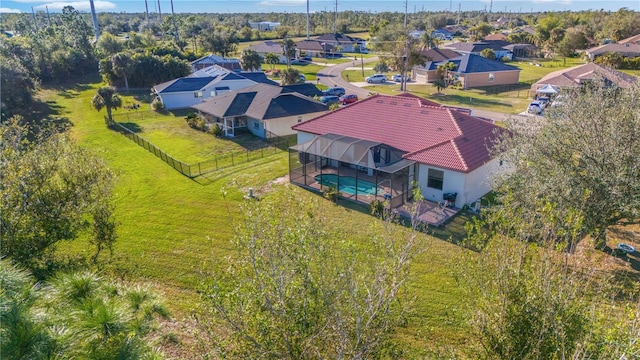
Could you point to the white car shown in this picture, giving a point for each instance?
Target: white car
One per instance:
(376, 78)
(398, 78)
(626, 248)
(535, 107)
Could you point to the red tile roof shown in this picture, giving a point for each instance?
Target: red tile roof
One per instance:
(428, 134)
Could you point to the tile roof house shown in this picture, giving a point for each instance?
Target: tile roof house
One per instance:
(203, 84)
(313, 47)
(437, 54)
(211, 59)
(631, 40)
(578, 75)
(264, 110)
(473, 71)
(627, 49)
(388, 142)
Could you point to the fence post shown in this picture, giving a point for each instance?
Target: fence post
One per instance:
(199, 169)
(232, 163)
(216, 162)
(261, 152)
(247, 155)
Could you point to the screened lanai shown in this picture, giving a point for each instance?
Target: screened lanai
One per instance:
(361, 170)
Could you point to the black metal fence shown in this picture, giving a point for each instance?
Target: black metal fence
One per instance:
(275, 144)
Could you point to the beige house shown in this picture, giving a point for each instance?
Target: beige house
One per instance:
(578, 75)
(263, 110)
(471, 71)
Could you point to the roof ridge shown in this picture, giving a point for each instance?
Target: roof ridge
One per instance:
(454, 120)
(455, 147)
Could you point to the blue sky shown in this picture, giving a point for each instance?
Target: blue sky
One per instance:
(299, 6)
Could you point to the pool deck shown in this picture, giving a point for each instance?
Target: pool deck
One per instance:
(429, 212)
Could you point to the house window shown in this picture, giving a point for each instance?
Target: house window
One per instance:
(492, 76)
(435, 179)
(197, 94)
(256, 125)
(299, 119)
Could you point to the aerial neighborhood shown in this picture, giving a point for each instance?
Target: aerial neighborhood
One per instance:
(279, 181)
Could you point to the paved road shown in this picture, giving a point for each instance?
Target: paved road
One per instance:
(331, 76)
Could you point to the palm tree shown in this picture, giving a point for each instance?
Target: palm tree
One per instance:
(122, 63)
(289, 50)
(271, 59)
(106, 97)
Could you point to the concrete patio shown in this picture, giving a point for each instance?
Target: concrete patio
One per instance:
(429, 212)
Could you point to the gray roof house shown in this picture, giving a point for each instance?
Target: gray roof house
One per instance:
(473, 71)
(628, 49)
(346, 42)
(264, 110)
(498, 47)
(578, 75)
(203, 84)
(269, 47)
(211, 59)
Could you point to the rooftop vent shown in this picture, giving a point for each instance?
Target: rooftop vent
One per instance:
(407, 105)
(424, 112)
(379, 101)
(393, 103)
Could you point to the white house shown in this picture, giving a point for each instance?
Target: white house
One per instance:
(264, 25)
(203, 84)
(379, 147)
(268, 46)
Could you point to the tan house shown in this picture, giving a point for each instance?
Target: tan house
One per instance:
(472, 71)
(263, 110)
(578, 75)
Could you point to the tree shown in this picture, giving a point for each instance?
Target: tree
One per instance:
(109, 45)
(76, 315)
(14, 76)
(298, 291)
(122, 64)
(291, 76)
(537, 302)
(481, 30)
(221, 42)
(439, 85)
(289, 50)
(488, 53)
(251, 60)
(271, 59)
(444, 70)
(583, 158)
(52, 190)
(106, 97)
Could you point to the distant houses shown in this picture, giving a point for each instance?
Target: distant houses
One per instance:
(627, 48)
(475, 48)
(321, 46)
(264, 25)
(211, 59)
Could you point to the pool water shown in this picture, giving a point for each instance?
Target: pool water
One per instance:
(348, 184)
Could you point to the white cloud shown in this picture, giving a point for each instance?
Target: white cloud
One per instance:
(283, 2)
(78, 5)
(9, 11)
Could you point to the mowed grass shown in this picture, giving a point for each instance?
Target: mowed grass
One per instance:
(170, 226)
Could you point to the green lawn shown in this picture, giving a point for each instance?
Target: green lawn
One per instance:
(170, 225)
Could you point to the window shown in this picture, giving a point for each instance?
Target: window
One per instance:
(491, 77)
(436, 178)
(197, 94)
(256, 125)
(299, 119)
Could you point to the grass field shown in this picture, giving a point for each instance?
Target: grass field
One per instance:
(171, 226)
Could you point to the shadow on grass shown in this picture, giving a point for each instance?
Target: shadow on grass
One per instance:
(462, 100)
(132, 126)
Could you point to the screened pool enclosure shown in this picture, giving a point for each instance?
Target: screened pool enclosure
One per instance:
(361, 170)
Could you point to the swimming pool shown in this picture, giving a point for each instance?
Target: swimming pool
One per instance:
(348, 184)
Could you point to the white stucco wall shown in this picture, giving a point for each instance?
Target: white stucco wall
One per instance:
(303, 137)
(470, 187)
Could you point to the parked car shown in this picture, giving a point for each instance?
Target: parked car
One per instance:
(336, 91)
(348, 99)
(626, 248)
(398, 78)
(535, 107)
(333, 56)
(329, 99)
(376, 78)
(303, 78)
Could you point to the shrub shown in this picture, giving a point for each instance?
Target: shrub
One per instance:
(215, 130)
(331, 193)
(377, 208)
(157, 104)
(505, 59)
(381, 67)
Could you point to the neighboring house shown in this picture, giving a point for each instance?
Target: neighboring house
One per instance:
(472, 71)
(416, 34)
(345, 42)
(442, 34)
(579, 75)
(313, 48)
(379, 147)
(421, 74)
(203, 84)
(210, 60)
(628, 49)
(476, 48)
(522, 50)
(269, 47)
(264, 110)
(631, 40)
(496, 36)
(264, 25)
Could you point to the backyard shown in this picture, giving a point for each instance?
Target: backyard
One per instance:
(171, 226)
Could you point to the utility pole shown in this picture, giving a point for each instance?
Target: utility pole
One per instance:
(458, 22)
(490, 6)
(405, 13)
(175, 27)
(160, 19)
(48, 16)
(307, 19)
(35, 21)
(335, 21)
(94, 17)
(146, 6)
